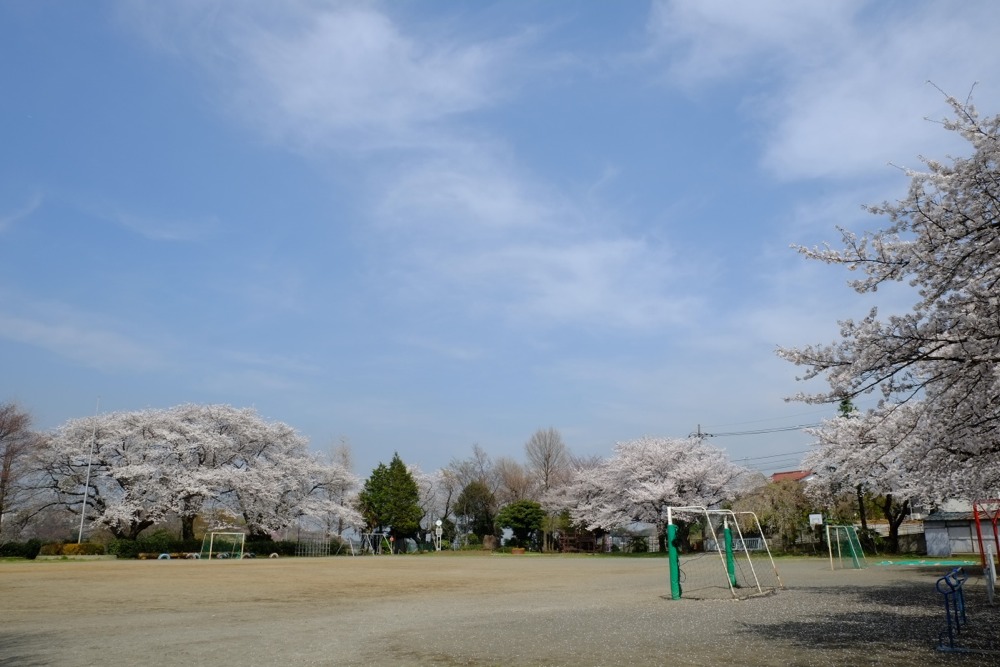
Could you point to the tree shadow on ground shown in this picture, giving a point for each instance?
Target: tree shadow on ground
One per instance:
(21, 650)
(902, 616)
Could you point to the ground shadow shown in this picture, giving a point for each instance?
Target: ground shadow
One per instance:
(900, 616)
(21, 650)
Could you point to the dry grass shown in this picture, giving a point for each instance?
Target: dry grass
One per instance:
(443, 609)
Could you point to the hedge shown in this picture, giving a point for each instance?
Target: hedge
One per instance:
(72, 549)
(27, 549)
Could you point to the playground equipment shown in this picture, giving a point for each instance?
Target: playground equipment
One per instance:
(849, 554)
(731, 566)
(990, 511)
(990, 573)
(375, 544)
(950, 586)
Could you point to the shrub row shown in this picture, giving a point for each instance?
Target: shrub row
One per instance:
(27, 549)
(160, 544)
(155, 543)
(72, 549)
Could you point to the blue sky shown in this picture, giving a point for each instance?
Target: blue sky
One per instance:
(421, 226)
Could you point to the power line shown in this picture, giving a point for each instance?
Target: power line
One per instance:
(771, 419)
(780, 429)
(797, 427)
(772, 462)
(773, 456)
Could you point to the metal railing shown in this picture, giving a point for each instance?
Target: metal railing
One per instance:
(950, 586)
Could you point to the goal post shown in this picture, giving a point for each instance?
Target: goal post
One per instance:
(222, 545)
(844, 547)
(728, 564)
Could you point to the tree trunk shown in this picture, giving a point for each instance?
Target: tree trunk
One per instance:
(187, 527)
(6, 467)
(683, 539)
(895, 515)
(131, 532)
(258, 535)
(861, 509)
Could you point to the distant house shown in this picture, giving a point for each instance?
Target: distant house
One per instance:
(794, 475)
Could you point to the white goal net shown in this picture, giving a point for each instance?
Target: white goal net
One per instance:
(222, 545)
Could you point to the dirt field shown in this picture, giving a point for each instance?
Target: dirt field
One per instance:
(445, 609)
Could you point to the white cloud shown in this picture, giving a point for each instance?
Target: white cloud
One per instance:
(166, 229)
(321, 75)
(867, 107)
(477, 229)
(461, 352)
(850, 78)
(468, 192)
(353, 71)
(7, 220)
(455, 214)
(278, 363)
(617, 283)
(72, 335)
(718, 39)
(248, 382)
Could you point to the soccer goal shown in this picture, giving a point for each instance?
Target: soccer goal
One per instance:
(222, 545)
(845, 548)
(728, 557)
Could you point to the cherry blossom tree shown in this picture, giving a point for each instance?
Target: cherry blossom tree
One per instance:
(646, 476)
(130, 470)
(888, 453)
(438, 493)
(431, 496)
(940, 360)
(115, 468)
(343, 493)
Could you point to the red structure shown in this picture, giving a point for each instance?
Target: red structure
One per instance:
(989, 509)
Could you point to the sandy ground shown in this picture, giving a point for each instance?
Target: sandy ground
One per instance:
(448, 609)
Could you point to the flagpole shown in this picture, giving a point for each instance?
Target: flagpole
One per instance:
(86, 486)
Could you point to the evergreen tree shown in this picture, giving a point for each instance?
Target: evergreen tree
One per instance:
(390, 501)
(523, 518)
(475, 507)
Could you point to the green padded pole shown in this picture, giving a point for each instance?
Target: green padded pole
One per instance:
(730, 561)
(675, 566)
